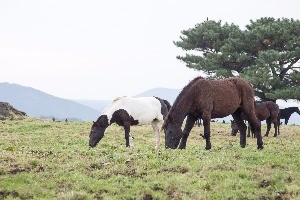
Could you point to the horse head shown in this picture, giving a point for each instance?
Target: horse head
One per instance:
(97, 130)
(234, 128)
(173, 132)
(297, 110)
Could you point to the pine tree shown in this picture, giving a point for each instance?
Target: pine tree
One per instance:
(266, 54)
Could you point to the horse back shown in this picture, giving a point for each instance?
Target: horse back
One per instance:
(221, 97)
(143, 109)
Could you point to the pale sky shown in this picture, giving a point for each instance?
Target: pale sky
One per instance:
(102, 49)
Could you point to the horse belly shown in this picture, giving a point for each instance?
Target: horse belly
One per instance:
(262, 112)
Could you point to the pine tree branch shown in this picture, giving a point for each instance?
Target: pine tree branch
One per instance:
(273, 70)
(285, 70)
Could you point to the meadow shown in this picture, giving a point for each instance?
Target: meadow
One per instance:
(41, 159)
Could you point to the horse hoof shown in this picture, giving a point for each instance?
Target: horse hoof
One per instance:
(243, 145)
(181, 147)
(208, 148)
(265, 135)
(260, 147)
(203, 136)
(275, 136)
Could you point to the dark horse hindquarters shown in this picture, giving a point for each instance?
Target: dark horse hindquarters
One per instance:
(207, 99)
(268, 111)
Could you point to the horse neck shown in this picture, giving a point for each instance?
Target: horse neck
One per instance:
(295, 110)
(180, 110)
(103, 120)
(290, 111)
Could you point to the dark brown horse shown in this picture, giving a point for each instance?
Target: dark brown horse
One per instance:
(268, 111)
(207, 99)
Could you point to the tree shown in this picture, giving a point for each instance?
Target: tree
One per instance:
(266, 54)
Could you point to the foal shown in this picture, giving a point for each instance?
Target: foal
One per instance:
(268, 111)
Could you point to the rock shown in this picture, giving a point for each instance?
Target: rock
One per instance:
(8, 111)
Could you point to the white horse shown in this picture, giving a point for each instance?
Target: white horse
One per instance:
(126, 111)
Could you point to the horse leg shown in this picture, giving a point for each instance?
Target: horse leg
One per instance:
(190, 121)
(276, 127)
(237, 116)
(206, 123)
(252, 130)
(268, 121)
(286, 120)
(126, 126)
(256, 125)
(157, 133)
(248, 129)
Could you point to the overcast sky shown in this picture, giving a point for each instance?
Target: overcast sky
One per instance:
(102, 49)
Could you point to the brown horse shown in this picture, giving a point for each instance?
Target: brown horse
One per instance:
(268, 111)
(207, 99)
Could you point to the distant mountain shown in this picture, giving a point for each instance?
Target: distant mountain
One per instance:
(39, 104)
(98, 105)
(164, 93)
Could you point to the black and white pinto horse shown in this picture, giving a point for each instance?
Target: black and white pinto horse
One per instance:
(127, 111)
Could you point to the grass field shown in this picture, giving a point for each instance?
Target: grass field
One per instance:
(50, 160)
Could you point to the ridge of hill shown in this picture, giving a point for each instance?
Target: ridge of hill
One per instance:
(39, 104)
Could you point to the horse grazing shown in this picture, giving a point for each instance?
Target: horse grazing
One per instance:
(126, 111)
(286, 113)
(207, 99)
(268, 111)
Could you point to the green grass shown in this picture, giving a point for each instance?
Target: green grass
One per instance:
(49, 160)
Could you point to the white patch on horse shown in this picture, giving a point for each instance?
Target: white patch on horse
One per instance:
(157, 133)
(131, 141)
(143, 109)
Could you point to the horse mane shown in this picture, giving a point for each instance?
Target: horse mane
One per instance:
(179, 97)
(291, 108)
(185, 89)
(118, 98)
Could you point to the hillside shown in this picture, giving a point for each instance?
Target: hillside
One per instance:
(39, 104)
(98, 105)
